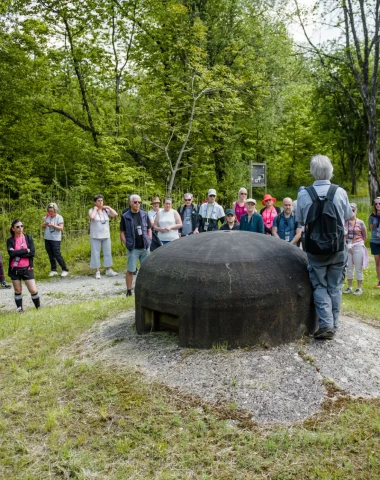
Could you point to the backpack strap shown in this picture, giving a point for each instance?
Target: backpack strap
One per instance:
(313, 193)
(331, 193)
(278, 219)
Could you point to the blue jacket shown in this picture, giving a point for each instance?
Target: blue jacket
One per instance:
(127, 226)
(256, 223)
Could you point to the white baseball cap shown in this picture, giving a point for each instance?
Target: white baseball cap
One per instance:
(212, 191)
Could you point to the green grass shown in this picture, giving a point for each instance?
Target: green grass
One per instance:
(61, 417)
(367, 305)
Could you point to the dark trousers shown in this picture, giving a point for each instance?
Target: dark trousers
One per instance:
(2, 277)
(53, 248)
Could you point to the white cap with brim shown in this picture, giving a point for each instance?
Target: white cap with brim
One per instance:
(212, 191)
(251, 200)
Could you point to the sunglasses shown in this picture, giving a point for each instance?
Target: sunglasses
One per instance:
(136, 203)
(187, 199)
(251, 203)
(377, 203)
(19, 226)
(270, 200)
(241, 193)
(212, 195)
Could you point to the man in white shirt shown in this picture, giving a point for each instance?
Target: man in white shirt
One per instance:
(210, 214)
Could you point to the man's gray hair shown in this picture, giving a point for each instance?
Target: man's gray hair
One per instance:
(188, 195)
(321, 167)
(133, 196)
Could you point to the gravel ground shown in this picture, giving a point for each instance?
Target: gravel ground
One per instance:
(279, 385)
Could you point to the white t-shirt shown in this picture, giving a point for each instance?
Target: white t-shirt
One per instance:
(50, 232)
(100, 225)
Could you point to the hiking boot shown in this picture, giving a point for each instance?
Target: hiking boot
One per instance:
(358, 291)
(97, 275)
(4, 285)
(348, 290)
(110, 272)
(20, 310)
(129, 293)
(53, 273)
(324, 334)
(64, 273)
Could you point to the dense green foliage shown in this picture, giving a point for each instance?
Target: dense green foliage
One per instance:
(154, 96)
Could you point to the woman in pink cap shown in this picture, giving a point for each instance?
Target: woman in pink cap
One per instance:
(269, 212)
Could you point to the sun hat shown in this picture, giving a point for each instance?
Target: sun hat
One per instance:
(156, 199)
(268, 196)
(251, 200)
(353, 205)
(230, 212)
(212, 191)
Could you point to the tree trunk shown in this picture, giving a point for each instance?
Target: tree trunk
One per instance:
(373, 183)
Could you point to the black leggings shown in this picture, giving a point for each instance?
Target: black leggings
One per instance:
(53, 248)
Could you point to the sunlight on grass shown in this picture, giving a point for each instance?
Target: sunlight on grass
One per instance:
(63, 418)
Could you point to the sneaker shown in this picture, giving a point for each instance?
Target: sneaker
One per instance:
(129, 293)
(97, 275)
(53, 273)
(64, 273)
(348, 290)
(111, 273)
(4, 285)
(358, 291)
(324, 334)
(20, 310)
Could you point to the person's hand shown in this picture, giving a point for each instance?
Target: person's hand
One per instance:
(196, 231)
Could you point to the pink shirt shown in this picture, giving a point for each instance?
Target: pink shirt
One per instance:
(239, 211)
(20, 244)
(269, 216)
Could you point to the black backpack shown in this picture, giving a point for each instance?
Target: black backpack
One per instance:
(324, 231)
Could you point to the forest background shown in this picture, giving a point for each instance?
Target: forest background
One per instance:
(167, 96)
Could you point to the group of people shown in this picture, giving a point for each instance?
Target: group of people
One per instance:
(141, 231)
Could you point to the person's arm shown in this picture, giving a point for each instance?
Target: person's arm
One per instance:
(274, 232)
(297, 236)
(24, 252)
(364, 231)
(155, 226)
(371, 225)
(122, 238)
(92, 212)
(260, 226)
(58, 227)
(178, 220)
(44, 223)
(112, 212)
(149, 230)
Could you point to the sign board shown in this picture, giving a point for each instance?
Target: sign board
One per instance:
(258, 175)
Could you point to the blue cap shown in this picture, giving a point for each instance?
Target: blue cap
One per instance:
(230, 212)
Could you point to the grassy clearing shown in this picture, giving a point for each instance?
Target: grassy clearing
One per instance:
(367, 305)
(62, 418)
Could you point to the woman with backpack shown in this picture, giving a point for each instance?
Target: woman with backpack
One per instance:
(374, 226)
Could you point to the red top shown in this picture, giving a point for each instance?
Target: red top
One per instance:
(20, 244)
(239, 211)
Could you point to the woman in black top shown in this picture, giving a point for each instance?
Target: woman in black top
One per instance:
(21, 253)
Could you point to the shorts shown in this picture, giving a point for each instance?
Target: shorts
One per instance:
(375, 248)
(21, 273)
(135, 255)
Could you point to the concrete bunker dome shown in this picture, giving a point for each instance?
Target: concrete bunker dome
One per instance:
(239, 288)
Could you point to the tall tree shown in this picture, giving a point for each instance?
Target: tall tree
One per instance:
(359, 21)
